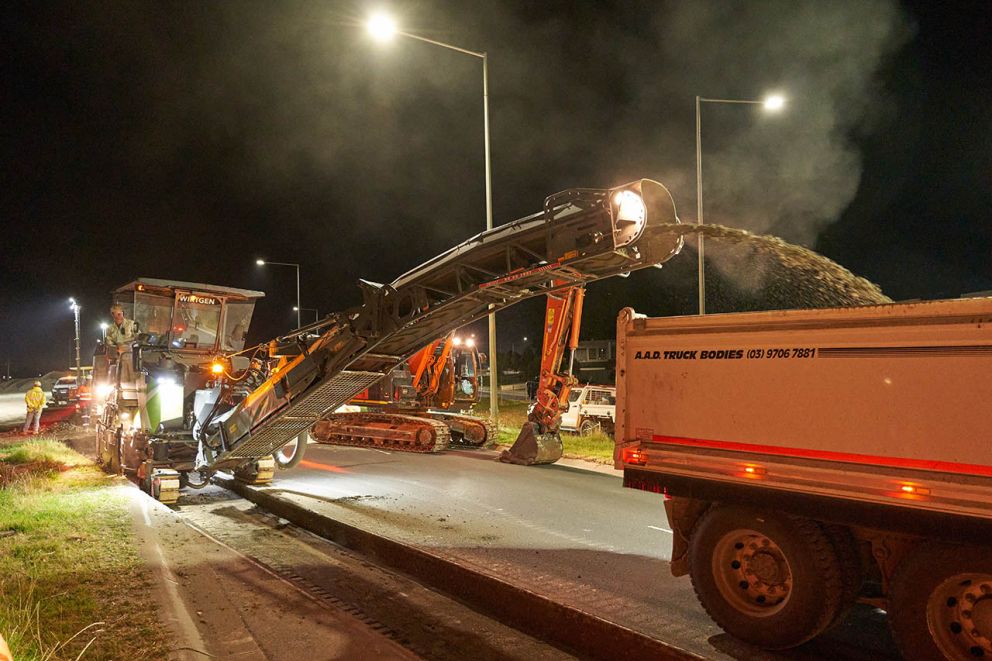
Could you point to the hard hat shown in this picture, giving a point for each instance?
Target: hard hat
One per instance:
(37, 383)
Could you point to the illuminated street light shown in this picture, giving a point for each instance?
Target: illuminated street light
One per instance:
(771, 103)
(382, 27)
(774, 102)
(262, 262)
(75, 307)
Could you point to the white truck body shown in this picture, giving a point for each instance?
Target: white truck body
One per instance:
(872, 419)
(589, 408)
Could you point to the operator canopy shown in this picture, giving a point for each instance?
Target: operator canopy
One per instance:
(188, 316)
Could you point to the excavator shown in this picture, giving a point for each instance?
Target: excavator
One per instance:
(251, 404)
(414, 402)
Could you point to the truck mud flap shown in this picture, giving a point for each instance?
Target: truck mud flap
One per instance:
(532, 448)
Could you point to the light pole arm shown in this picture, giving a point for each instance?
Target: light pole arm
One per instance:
(443, 45)
(748, 101)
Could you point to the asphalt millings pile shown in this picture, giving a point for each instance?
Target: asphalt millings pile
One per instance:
(746, 271)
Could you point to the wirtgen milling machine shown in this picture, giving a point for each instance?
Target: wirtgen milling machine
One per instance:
(254, 407)
(147, 398)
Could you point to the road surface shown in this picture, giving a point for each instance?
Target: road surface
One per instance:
(571, 534)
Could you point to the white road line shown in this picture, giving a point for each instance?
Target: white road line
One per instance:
(144, 511)
(661, 529)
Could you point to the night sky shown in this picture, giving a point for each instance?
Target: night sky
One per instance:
(185, 140)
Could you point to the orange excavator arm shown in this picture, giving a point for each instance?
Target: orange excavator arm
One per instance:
(539, 441)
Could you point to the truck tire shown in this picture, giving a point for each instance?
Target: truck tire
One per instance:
(773, 580)
(588, 427)
(852, 570)
(940, 603)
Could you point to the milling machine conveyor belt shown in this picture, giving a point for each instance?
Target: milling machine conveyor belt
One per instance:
(306, 410)
(581, 236)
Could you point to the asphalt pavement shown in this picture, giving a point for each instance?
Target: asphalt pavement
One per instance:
(11, 409)
(572, 534)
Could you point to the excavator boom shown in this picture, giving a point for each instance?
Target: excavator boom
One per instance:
(582, 235)
(539, 441)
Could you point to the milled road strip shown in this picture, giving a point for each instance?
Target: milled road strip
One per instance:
(530, 612)
(243, 610)
(430, 624)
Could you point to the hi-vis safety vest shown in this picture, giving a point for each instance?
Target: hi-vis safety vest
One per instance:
(35, 399)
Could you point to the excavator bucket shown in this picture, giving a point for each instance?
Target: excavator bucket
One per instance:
(532, 448)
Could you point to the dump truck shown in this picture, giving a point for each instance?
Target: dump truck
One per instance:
(811, 459)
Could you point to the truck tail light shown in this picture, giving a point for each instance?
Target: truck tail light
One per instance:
(753, 470)
(913, 489)
(634, 456)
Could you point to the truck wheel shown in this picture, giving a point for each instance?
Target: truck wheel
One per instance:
(588, 427)
(940, 604)
(773, 580)
(852, 571)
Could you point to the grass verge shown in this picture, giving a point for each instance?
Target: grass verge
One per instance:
(596, 447)
(71, 581)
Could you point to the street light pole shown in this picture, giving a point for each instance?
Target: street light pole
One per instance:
(262, 262)
(75, 311)
(773, 102)
(382, 27)
(699, 210)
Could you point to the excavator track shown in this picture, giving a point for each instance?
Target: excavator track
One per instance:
(468, 430)
(385, 431)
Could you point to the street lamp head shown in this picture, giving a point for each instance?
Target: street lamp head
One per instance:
(381, 26)
(774, 102)
(260, 262)
(296, 308)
